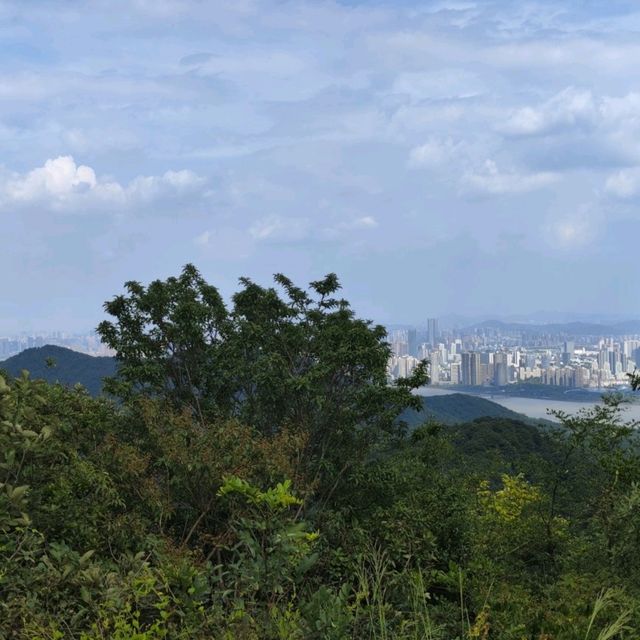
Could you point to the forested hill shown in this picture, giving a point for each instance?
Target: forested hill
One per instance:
(57, 364)
(457, 408)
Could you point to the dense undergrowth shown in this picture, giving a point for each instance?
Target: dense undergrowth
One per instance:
(199, 505)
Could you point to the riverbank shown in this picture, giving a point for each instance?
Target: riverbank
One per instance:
(537, 408)
(540, 392)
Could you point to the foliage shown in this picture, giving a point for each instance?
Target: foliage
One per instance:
(275, 499)
(457, 408)
(299, 360)
(57, 364)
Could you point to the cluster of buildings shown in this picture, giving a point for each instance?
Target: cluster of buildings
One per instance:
(85, 343)
(492, 358)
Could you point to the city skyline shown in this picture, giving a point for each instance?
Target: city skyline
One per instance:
(491, 357)
(480, 156)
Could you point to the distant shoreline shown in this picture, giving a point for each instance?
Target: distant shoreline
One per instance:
(537, 408)
(535, 392)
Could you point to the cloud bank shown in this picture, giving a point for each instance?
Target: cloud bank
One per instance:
(413, 148)
(64, 186)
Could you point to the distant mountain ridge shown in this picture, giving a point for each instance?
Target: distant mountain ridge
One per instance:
(569, 328)
(458, 408)
(69, 367)
(538, 318)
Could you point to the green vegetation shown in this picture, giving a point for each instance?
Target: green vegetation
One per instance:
(252, 480)
(455, 408)
(57, 364)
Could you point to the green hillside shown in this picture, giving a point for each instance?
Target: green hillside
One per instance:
(457, 408)
(57, 364)
(506, 444)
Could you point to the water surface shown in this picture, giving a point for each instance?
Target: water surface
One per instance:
(536, 407)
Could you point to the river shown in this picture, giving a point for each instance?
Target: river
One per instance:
(535, 407)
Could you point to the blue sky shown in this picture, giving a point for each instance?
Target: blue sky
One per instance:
(441, 157)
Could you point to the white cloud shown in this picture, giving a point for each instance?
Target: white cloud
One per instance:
(438, 85)
(149, 188)
(624, 184)
(366, 222)
(491, 180)
(58, 178)
(627, 107)
(361, 223)
(573, 231)
(434, 152)
(63, 185)
(582, 55)
(291, 229)
(278, 228)
(571, 107)
(597, 130)
(452, 6)
(203, 239)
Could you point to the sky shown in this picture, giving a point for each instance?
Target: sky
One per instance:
(475, 158)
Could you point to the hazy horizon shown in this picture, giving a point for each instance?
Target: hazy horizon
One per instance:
(446, 322)
(469, 158)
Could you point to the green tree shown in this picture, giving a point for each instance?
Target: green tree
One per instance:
(278, 358)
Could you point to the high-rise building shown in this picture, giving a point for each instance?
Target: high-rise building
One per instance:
(412, 342)
(404, 366)
(432, 331)
(567, 354)
(471, 371)
(614, 362)
(399, 343)
(476, 370)
(465, 368)
(434, 367)
(581, 377)
(603, 359)
(501, 370)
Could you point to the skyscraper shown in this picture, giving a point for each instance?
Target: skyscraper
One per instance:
(567, 354)
(432, 331)
(501, 370)
(614, 362)
(412, 342)
(471, 371)
(434, 367)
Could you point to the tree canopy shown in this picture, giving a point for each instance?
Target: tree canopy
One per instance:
(276, 359)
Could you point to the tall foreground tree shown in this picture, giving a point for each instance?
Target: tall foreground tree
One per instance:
(277, 359)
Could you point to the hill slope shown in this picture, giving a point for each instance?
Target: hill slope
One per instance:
(566, 328)
(512, 441)
(70, 367)
(456, 408)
